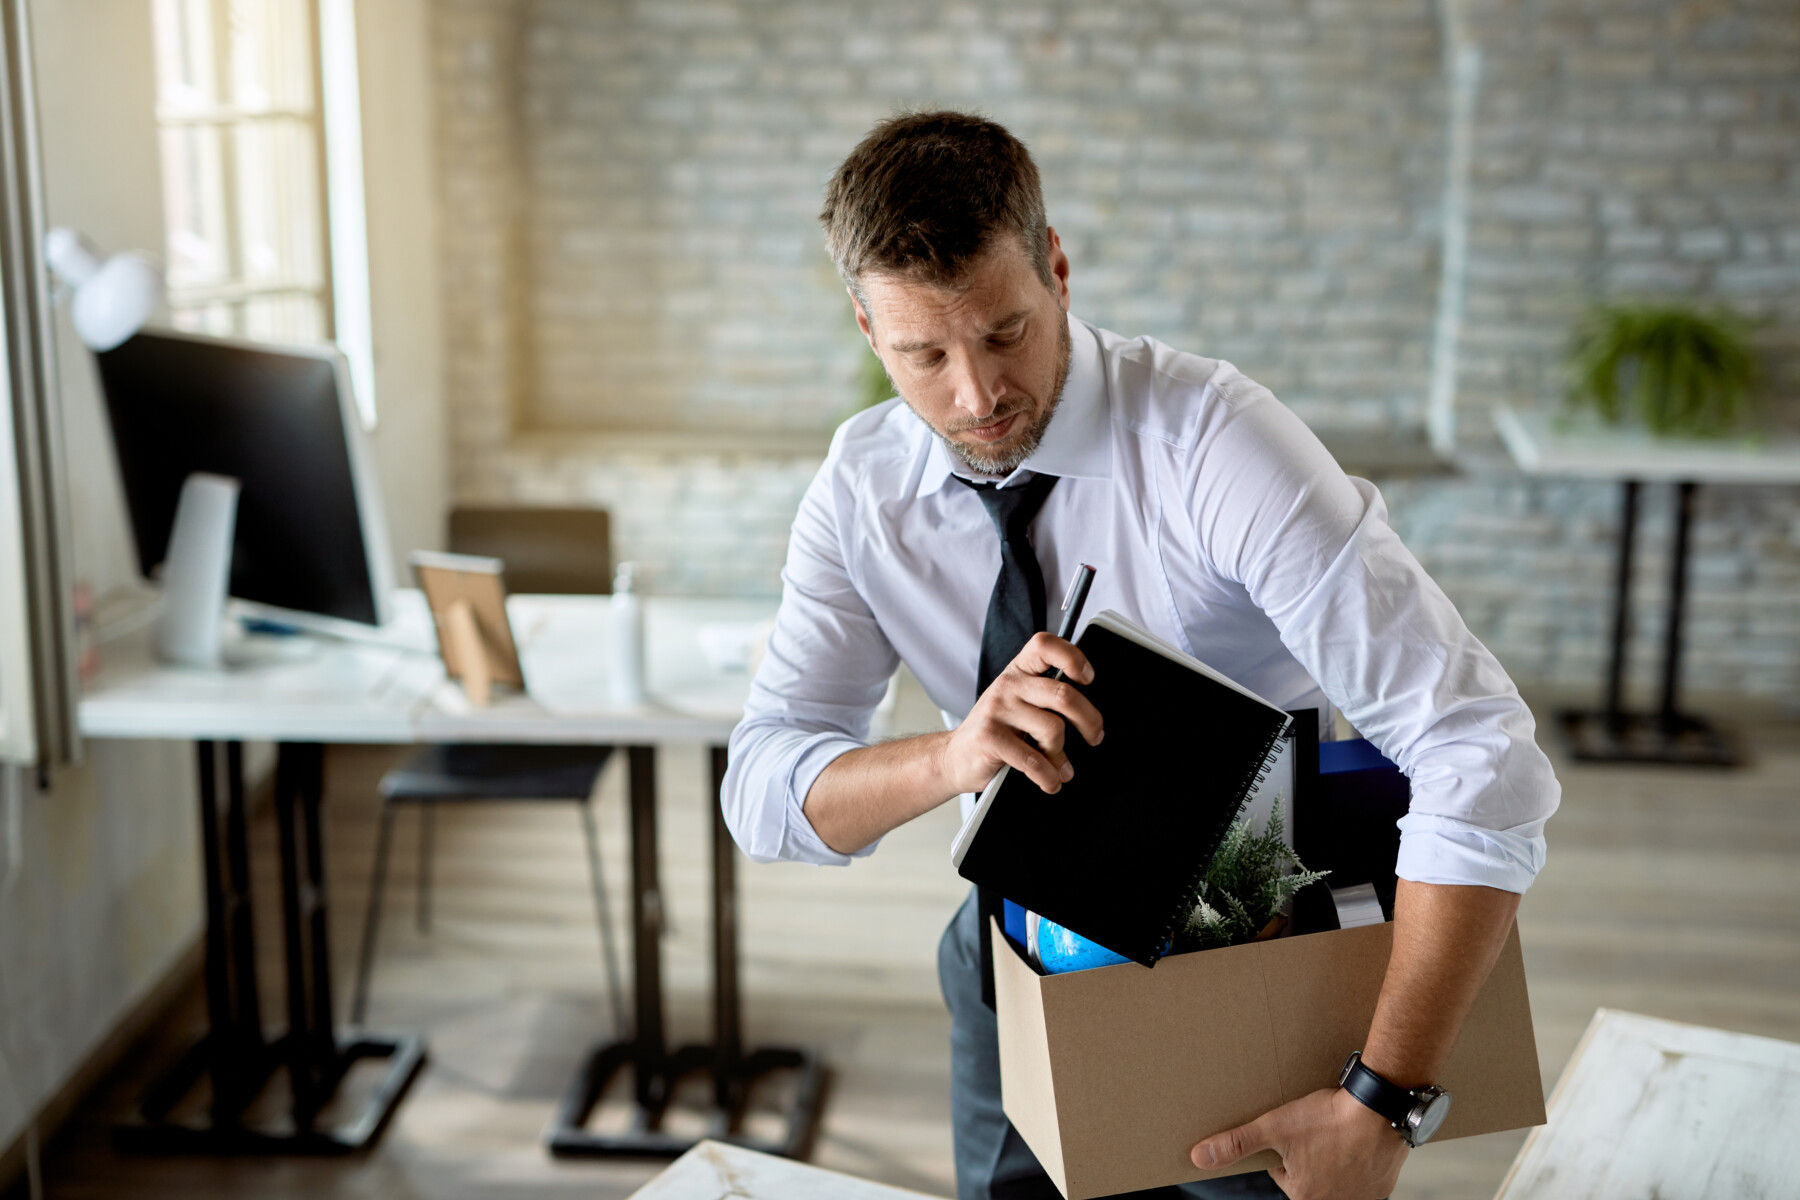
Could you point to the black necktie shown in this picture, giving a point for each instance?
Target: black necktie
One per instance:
(1016, 610)
(1017, 606)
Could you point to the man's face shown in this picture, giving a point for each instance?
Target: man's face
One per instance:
(983, 364)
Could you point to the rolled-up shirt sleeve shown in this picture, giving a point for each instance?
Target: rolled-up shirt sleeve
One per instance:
(1313, 548)
(814, 695)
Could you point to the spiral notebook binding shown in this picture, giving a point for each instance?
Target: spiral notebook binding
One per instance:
(1259, 771)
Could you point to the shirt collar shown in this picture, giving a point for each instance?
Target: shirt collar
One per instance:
(1079, 440)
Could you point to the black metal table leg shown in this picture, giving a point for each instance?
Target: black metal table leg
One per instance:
(1615, 734)
(1621, 622)
(240, 1059)
(656, 1070)
(232, 1055)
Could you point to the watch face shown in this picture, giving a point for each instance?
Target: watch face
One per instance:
(1428, 1118)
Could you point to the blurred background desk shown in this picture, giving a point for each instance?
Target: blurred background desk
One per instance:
(394, 691)
(1633, 458)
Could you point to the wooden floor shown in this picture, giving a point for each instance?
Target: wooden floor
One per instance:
(1669, 892)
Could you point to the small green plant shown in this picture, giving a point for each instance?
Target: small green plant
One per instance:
(1683, 371)
(1250, 881)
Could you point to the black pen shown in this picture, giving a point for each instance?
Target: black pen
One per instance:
(1071, 613)
(1071, 609)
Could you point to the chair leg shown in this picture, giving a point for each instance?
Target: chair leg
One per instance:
(427, 837)
(365, 959)
(608, 949)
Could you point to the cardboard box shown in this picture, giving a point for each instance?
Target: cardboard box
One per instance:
(1112, 1075)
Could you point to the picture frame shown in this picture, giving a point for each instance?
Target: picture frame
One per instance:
(467, 597)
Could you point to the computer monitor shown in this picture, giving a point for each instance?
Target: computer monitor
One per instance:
(310, 536)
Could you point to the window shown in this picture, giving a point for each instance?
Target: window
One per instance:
(243, 177)
(258, 113)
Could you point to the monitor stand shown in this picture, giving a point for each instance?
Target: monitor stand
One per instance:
(197, 572)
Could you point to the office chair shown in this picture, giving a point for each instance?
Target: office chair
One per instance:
(554, 550)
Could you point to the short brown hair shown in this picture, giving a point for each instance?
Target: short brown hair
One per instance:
(925, 194)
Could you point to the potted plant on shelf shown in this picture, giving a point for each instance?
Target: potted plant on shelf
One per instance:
(1679, 371)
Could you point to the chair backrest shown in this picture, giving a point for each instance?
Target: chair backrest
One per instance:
(558, 550)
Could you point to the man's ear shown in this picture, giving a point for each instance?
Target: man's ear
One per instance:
(862, 320)
(1059, 268)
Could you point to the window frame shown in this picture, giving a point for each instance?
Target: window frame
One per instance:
(333, 118)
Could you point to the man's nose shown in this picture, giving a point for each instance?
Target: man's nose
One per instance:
(977, 389)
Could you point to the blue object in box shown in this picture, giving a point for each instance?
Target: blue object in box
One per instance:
(1060, 950)
(1014, 924)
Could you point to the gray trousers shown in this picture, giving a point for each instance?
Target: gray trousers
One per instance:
(992, 1160)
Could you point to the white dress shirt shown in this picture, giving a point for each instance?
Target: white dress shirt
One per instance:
(1217, 521)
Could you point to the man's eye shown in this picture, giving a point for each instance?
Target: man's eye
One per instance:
(1009, 339)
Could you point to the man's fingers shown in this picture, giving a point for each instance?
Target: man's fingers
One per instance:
(1039, 769)
(1058, 696)
(1047, 652)
(1045, 728)
(1223, 1149)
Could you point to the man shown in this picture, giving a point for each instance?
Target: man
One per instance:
(1022, 443)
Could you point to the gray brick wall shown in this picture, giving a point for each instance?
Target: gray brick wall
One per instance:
(1638, 149)
(629, 193)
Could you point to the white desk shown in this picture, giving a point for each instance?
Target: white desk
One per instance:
(1631, 458)
(1648, 1107)
(1586, 451)
(354, 691)
(396, 692)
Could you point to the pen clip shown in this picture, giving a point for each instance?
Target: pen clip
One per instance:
(1074, 587)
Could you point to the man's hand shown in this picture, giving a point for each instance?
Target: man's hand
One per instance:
(1332, 1147)
(1022, 701)
(867, 792)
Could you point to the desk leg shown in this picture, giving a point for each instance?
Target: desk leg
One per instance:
(1621, 622)
(647, 930)
(232, 1055)
(733, 1073)
(1671, 672)
(727, 1012)
(234, 1051)
(1615, 734)
(317, 1061)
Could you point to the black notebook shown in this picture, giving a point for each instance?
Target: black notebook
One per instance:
(1118, 853)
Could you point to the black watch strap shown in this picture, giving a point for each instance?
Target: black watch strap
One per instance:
(1391, 1101)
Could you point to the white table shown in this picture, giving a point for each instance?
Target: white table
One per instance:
(1631, 458)
(1648, 1107)
(393, 690)
(716, 1171)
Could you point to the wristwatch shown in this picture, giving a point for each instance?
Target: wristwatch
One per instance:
(1415, 1113)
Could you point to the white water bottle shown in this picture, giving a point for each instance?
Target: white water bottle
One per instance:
(627, 638)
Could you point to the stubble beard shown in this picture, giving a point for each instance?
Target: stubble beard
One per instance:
(1005, 464)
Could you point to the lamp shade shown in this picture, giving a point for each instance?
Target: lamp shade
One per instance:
(114, 298)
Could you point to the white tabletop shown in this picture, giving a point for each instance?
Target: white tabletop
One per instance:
(393, 689)
(1648, 1107)
(1591, 452)
(718, 1171)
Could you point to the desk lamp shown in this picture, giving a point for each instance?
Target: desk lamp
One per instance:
(112, 299)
